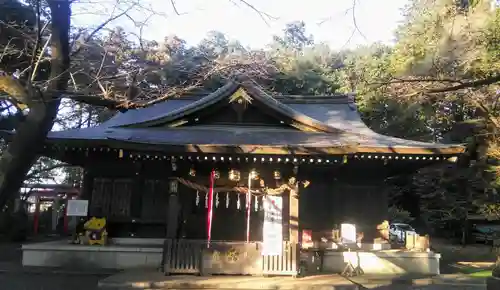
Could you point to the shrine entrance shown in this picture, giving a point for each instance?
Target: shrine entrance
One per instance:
(246, 229)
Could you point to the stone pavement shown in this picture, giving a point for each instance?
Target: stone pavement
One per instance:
(156, 280)
(15, 277)
(48, 281)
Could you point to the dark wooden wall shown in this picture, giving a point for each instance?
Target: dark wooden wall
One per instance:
(135, 198)
(347, 194)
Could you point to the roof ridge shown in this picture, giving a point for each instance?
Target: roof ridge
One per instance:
(299, 99)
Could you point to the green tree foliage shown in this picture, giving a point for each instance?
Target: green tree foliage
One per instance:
(438, 82)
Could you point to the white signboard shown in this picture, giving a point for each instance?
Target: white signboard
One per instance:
(273, 226)
(77, 207)
(348, 233)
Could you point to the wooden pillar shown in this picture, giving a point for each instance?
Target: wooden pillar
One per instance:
(55, 206)
(36, 215)
(65, 216)
(173, 213)
(87, 188)
(294, 215)
(294, 237)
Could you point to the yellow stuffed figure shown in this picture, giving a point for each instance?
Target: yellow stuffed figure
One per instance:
(95, 231)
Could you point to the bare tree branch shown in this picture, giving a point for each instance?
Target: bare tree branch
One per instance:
(263, 15)
(172, 2)
(468, 84)
(101, 26)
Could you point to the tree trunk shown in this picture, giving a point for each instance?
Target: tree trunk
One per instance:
(496, 269)
(27, 143)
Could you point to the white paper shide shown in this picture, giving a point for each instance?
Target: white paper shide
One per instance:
(273, 226)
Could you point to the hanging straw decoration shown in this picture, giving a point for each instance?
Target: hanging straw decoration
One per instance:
(206, 200)
(217, 200)
(197, 198)
(227, 199)
(256, 203)
(238, 202)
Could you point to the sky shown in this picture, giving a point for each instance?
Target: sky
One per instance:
(329, 21)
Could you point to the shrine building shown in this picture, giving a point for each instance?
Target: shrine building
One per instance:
(195, 171)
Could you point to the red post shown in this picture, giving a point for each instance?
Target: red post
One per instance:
(36, 215)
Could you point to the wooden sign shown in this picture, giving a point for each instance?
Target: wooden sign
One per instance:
(307, 240)
(232, 258)
(273, 226)
(77, 207)
(348, 233)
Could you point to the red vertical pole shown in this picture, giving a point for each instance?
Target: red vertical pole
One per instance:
(36, 215)
(210, 207)
(65, 217)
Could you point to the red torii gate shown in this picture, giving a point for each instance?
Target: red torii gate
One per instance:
(49, 192)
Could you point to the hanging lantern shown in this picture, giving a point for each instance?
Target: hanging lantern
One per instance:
(216, 174)
(173, 186)
(277, 174)
(192, 172)
(174, 165)
(295, 169)
(254, 174)
(234, 175)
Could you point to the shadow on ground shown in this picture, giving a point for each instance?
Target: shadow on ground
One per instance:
(443, 282)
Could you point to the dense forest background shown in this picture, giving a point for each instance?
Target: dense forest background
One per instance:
(438, 82)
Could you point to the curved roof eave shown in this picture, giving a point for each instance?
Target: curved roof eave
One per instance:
(246, 137)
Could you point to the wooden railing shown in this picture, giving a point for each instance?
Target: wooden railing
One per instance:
(193, 257)
(182, 256)
(285, 264)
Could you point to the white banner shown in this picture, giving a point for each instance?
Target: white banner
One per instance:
(348, 233)
(77, 207)
(273, 226)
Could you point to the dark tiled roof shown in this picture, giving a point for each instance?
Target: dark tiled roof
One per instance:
(336, 116)
(237, 136)
(144, 114)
